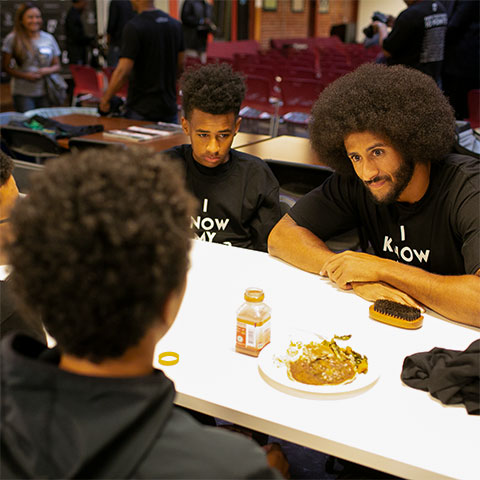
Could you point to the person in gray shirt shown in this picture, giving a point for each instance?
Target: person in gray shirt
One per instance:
(29, 54)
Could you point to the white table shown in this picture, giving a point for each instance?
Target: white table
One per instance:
(388, 426)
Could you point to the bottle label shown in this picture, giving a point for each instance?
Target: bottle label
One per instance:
(253, 335)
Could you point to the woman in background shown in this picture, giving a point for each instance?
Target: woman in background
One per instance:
(35, 54)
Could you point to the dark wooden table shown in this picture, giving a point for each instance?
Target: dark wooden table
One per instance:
(159, 144)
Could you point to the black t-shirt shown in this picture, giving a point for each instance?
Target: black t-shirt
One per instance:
(440, 233)
(239, 200)
(153, 41)
(417, 38)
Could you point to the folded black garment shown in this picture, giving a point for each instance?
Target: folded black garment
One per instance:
(452, 376)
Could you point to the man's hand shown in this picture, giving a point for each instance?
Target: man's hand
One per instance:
(104, 105)
(381, 291)
(348, 266)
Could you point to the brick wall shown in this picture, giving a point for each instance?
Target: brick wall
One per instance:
(283, 23)
(340, 11)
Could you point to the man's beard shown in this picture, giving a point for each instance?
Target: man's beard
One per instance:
(401, 178)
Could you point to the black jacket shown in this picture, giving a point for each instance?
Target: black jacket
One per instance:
(11, 320)
(55, 424)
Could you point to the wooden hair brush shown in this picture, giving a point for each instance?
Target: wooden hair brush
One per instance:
(396, 314)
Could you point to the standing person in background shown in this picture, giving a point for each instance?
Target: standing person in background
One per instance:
(119, 13)
(35, 54)
(417, 38)
(461, 66)
(197, 24)
(151, 59)
(77, 40)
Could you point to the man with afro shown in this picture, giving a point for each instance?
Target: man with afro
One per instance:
(237, 192)
(100, 251)
(388, 132)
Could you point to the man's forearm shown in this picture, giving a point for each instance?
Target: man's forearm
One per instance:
(297, 246)
(119, 77)
(454, 297)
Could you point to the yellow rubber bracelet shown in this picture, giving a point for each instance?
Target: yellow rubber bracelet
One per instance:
(174, 357)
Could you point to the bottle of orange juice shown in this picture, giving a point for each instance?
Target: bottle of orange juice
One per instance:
(253, 323)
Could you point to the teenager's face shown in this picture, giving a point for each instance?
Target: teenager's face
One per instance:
(211, 136)
(32, 20)
(384, 172)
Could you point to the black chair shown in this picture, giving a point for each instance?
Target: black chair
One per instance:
(22, 172)
(296, 181)
(80, 143)
(30, 145)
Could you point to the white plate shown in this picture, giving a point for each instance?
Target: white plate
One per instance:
(277, 371)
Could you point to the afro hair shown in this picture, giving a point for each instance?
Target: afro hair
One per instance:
(213, 88)
(98, 245)
(402, 105)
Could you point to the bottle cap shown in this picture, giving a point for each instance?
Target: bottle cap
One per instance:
(254, 295)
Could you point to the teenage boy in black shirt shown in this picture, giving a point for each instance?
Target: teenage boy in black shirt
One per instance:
(238, 193)
(396, 179)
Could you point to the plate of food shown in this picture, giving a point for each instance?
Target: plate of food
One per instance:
(311, 363)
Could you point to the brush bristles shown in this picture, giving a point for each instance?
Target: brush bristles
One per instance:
(397, 310)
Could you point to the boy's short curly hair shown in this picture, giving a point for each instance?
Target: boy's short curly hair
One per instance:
(400, 104)
(213, 88)
(6, 168)
(99, 244)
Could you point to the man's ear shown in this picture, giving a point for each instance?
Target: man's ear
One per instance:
(185, 125)
(237, 124)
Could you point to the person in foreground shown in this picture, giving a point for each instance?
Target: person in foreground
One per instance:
(388, 133)
(100, 250)
(238, 193)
